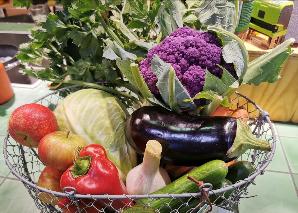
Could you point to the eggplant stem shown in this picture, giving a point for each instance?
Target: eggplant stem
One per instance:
(245, 140)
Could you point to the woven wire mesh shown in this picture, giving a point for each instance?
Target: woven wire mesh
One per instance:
(25, 164)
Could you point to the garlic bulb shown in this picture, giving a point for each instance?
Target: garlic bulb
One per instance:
(148, 177)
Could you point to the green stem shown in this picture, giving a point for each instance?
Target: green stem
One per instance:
(101, 87)
(245, 140)
(128, 86)
(81, 166)
(236, 20)
(109, 32)
(148, 5)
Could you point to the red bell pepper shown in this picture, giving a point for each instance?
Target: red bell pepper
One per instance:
(93, 173)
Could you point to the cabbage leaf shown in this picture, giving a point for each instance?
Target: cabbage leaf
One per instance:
(98, 117)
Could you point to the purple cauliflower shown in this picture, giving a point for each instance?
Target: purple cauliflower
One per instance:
(190, 52)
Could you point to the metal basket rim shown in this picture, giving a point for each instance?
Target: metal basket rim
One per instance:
(182, 195)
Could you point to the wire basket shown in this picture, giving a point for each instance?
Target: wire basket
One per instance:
(26, 166)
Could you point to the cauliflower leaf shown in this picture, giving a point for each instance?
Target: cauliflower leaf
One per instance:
(266, 68)
(170, 88)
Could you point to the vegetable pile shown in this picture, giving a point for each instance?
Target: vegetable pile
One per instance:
(155, 117)
(94, 160)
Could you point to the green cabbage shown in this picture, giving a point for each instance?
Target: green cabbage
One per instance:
(99, 118)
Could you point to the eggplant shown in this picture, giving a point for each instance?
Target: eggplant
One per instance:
(191, 140)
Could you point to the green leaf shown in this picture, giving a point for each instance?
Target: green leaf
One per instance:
(124, 29)
(228, 79)
(109, 53)
(152, 13)
(113, 51)
(79, 68)
(132, 73)
(214, 83)
(170, 88)
(214, 99)
(232, 53)
(219, 85)
(228, 37)
(77, 36)
(194, 4)
(137, 24)
(80, 7)
(138, 7)
(170, 16)
(139, 81)
(52, 23)
(208, 95)
(221, 14)
(171, 85)
(212, 96)
(266, 68)
(105, 71)
(177, 9)
(191, 18)
(124, 67)
(89, 46)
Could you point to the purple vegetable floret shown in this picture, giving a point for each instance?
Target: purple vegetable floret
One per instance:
(190, 52)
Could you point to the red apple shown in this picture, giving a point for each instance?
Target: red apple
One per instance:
(58, 149)
(30, 123)
(49, 179)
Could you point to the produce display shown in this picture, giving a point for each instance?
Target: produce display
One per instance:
(200, 147)
(152, 110)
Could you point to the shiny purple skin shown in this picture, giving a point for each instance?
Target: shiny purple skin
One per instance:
(186, 140)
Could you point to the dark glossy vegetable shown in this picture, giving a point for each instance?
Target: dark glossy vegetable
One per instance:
(239, 171)
(190, 140)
